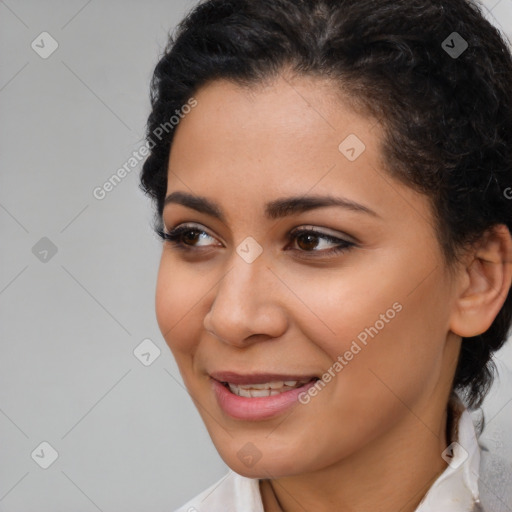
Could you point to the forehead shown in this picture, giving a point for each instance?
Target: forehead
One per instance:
(290, 137)
(287, 111)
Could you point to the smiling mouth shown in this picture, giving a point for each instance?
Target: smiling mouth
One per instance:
(266, 388)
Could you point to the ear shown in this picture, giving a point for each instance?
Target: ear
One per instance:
(484, 283)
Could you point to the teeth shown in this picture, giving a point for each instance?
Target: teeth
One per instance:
(265, 385)
(265, 389)
(258, 392)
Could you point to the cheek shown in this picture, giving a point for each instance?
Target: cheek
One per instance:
(178, 296)
(339, 307)
(378, 324)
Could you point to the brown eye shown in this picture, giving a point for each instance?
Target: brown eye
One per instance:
(307, 241)
(317, 243)
(190, 236)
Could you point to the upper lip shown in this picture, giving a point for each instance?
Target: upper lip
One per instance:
(257, 378)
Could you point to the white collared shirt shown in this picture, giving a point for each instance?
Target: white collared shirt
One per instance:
(455, 490)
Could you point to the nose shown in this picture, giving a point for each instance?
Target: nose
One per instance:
(246, 306)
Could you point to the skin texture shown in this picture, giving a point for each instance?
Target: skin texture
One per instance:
(372, 438)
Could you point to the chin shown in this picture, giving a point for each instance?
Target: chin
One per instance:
(247, 460)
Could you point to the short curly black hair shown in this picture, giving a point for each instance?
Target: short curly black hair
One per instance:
(446, 108)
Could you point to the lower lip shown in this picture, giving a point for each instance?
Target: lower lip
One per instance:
(258, 408)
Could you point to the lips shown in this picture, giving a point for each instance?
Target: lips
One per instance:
(265, 389)
(249, 403)
(262, 384)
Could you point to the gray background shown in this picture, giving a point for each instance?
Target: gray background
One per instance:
(127, 435)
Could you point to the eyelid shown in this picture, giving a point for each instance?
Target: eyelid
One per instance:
(327, 232)
(189, 225)
(340, 244)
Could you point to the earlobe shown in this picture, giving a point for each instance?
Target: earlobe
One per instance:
(484, 283)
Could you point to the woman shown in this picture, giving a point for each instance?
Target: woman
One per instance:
(330, 184)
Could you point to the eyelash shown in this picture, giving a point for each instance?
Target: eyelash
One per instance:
(174, 237)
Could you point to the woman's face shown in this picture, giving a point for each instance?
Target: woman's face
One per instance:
(365, 299)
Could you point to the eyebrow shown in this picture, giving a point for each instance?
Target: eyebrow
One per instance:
(275, 209)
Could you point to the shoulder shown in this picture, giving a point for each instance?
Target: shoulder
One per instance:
(496, 481)
(232, 493)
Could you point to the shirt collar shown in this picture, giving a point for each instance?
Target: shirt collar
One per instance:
(456, 489)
